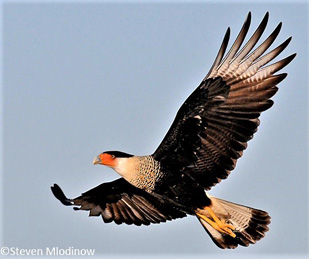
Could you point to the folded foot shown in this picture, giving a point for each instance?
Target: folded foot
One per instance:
(218, 224)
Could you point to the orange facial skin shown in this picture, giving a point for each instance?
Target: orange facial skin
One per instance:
(107, 159)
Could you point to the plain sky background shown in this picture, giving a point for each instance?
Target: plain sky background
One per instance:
(81, 78)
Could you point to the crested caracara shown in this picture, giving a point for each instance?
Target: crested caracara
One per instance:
(210, 132)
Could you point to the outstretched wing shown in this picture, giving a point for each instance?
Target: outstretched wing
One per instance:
(221, 116)
(121, 202)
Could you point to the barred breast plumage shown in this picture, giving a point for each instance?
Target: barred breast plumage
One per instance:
(147, 173)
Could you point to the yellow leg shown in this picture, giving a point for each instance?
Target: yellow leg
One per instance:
(218, 224)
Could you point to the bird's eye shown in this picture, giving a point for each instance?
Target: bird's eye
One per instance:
(113, 156)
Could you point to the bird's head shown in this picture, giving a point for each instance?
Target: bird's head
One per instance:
(110, 158)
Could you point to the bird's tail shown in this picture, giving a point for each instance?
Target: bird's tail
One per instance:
(230, 224)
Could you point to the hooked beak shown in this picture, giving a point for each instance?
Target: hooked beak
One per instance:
(97, 160)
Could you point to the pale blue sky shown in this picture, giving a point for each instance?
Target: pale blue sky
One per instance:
(79, 79)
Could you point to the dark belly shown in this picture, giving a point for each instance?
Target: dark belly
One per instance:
(182, 190)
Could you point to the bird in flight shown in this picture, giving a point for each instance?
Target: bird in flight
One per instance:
(201, 148)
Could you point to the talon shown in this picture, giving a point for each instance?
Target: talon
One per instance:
(230, 232)
(226, 225)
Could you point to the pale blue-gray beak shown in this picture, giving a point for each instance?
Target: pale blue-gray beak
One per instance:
(97, 160)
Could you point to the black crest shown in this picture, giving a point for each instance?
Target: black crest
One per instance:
(118, 153)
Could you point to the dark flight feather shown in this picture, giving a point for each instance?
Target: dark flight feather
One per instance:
(244, 82)
(121, 202)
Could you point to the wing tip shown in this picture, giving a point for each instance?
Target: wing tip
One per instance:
(58, 193)
(287, 60)
(291, 57)
(227, 33)
(249, 15)
(265, 18)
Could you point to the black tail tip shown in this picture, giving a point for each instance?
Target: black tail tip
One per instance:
(58, 193)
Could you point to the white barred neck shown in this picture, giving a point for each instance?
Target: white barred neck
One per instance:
(141, 171)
